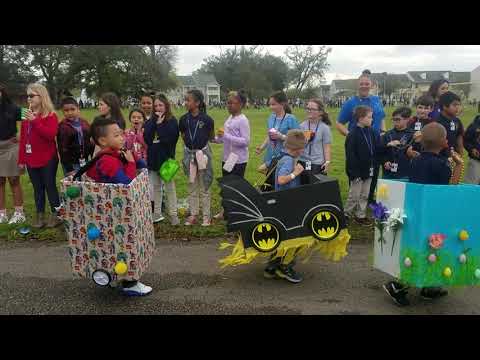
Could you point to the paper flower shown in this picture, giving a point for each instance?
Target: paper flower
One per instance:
(436, 241)
(380, 216)
(394, 222)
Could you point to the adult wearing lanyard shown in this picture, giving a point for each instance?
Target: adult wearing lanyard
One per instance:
(9, 115)
(73, 139)
(378, 125)
(38, 152)
(317, 154)
(279, 123)
(437, 89)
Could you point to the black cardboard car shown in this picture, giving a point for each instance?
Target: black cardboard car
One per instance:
(265, 219)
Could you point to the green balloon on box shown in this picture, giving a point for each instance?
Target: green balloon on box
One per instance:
(168, 170)
(73, 192)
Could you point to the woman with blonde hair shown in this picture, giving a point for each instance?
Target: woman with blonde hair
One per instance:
(38, 152)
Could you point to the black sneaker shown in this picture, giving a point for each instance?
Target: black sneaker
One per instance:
(432, 293)
(269, 272)
(287, 273)
(397, 292)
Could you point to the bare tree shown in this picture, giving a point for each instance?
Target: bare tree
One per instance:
(306, 64)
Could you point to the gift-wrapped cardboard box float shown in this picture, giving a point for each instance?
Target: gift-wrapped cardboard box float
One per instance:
(428, 235)
(109, 228)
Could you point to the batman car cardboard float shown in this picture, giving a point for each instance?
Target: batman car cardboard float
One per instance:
(307, 218)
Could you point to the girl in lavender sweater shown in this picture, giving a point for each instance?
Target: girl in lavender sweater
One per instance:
(235, 136)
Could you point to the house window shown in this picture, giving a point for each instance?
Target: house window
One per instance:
(212, 88)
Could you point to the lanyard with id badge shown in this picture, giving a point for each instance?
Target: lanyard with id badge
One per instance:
(79, 136)
(370, 148)
(418, 125)
(28, 146)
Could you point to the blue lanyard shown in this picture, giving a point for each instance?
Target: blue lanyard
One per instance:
(192, 138)
(79, 132)
(281, 121)
(369, 143)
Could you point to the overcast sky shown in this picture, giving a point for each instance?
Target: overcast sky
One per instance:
(347, 61)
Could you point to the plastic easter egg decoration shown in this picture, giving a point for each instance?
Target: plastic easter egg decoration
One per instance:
(25, 230)
(477, 273)
(463, 235)
(447, 272)
(93, 233)
(120, 268)
(101, 278)
(407, 262)
(73, 192)
(432, 258)
(462, 258)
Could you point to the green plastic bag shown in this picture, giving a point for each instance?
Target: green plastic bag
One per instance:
(168, 169)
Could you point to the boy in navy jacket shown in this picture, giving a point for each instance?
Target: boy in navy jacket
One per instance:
(360, 148)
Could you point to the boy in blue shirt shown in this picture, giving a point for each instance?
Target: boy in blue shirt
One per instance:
(288, 170)
(429, 168)
(287, 174)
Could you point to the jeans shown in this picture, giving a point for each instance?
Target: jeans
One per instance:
(44, 179)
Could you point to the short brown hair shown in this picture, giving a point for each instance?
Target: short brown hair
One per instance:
(361, 111)
(433, 136)
(295, 139)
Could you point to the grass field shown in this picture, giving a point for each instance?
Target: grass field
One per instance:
(258, 131)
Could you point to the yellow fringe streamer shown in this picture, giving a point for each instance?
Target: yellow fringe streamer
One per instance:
(288, 250)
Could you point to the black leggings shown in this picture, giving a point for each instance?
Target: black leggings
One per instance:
(238, 169)
(44, 179)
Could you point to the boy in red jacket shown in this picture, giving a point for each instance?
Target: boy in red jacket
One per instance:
(115, 166)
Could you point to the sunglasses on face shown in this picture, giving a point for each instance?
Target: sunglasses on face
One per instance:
(31, 96)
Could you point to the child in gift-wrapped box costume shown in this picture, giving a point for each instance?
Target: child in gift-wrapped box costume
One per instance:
(425, 234)
(109, 221)
(303, 215)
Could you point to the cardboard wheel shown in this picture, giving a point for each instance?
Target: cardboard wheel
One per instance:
(265, 236)
(325, 224)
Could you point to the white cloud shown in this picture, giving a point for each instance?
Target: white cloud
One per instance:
(348, 61)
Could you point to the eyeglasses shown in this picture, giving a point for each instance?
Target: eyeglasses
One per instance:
(311, 110)
(31, 96)
(397, 119)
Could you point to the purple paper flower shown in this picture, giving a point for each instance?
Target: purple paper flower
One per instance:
(379, 211)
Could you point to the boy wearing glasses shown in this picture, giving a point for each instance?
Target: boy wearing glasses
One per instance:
(393, 146)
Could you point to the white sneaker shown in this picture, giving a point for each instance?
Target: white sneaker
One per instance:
(206, 221)
(3, 218)
(17, 218)
(158, 218)
(138, 289)
(174, 221)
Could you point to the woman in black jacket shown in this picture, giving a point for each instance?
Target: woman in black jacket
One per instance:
(161, 136)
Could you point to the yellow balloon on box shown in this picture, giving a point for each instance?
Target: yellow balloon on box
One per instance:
(120, 268)
(447, 272)
(463, 235)
(382, 192)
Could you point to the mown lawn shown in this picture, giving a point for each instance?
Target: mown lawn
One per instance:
(258, 129)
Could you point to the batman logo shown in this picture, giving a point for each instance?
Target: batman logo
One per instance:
(265, 237)
(325, 225)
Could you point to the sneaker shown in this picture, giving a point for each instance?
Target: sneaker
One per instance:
(270, 272)
(288, 273)
(3, 218)
(39, 221)
(432, 293)
(138, 289)
(158, 218)
(54, 221)
(219, 216)
(347, 220)
(17, 218)
(363, 221)
(206, 221)
(174, 221)
(397, 292)
(191, 220)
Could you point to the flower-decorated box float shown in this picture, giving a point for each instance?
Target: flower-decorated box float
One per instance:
(305, 219)
(428, 235)
(109, 228)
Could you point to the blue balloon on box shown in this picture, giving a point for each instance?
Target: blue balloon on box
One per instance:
(93, 233)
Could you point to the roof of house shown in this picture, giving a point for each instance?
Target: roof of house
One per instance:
(429, 76)
(349, 84)
(199, 79)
